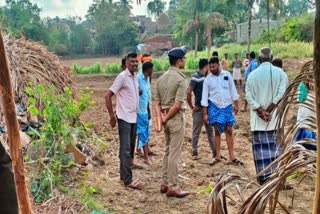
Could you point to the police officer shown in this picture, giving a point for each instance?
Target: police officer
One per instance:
(170, 111)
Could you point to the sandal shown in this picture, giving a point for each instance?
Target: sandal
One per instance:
(236, 162)
(136, 184)
(214, 161)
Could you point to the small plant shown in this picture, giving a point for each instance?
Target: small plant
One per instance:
(93, 69)
(192, 63)
(59, 115)
(157, 66)
(113, 68)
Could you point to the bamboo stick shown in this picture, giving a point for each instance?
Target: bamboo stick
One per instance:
(9, 110)
(316, 69)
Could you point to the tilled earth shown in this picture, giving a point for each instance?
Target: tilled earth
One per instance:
(196, 176)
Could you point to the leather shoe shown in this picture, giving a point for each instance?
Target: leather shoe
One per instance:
(164, 188)
(179, 193)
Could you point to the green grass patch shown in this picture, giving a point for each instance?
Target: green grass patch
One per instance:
(279, 49)
(97, 68)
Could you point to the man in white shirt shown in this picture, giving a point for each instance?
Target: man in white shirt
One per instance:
(218, 95)
(264, 88)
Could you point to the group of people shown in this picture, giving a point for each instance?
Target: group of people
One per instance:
(215, 105)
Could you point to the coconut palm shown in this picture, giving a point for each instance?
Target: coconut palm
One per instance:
(211, 22)
(156, 7)
(125, 6)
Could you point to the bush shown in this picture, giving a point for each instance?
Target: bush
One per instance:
(192, 63)
(113, 68)
(279, 49)
(157, 65)
(93, 69)
(294, 29)
(166, 65)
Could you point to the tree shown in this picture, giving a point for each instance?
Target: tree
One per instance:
(156, 7)
(114, 36)
(125, 6)
(23, 17)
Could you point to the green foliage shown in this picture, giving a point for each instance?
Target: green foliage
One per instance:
(157, 65)
(279, 49)
(113, 68)
(93, 69)
(166, 65)
(97, 68)
(192, 63)
(208, 189)
(59, 114)
(294, 29)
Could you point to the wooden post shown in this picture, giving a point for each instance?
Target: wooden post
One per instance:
(316, 70)
(9, 110)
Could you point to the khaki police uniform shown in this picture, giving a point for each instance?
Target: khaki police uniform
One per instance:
(171, 87)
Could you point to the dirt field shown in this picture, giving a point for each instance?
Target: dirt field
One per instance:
(196, 175)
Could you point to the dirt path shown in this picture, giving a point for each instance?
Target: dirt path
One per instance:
(197, 175)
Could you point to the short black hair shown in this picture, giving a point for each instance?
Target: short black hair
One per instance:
(173, 60)
(215, 53)
(277, 62)
(252, 55)
(236, 54)
(123, 60)
(203, 63)
(147, 65)
(132, 55)
(214, 60)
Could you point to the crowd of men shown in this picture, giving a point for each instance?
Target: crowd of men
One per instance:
(215, 105)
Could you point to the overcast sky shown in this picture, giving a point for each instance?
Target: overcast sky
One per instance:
(63, 8)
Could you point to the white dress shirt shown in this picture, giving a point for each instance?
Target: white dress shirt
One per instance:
(220, 90)
(265, 85)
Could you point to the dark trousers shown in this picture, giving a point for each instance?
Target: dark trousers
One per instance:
(127, 134)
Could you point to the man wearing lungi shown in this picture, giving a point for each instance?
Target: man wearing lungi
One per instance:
(264, 88)
(236, 68)
(143, 126)
(218, 95)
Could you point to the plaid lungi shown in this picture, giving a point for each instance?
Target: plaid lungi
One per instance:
(265, 151)
(221, 117)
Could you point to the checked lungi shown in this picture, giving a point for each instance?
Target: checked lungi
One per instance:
(221, 117)
(265, 151)
(143, 129)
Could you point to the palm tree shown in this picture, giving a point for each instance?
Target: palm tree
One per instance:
(250, 5)
(194, 23)
(156, 7)
(125, 6)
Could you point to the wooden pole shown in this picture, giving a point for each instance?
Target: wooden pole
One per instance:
(316, 70)
(9, 110)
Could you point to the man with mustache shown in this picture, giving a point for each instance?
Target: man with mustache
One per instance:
(125, 87)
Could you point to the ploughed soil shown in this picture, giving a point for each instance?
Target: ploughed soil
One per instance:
(195, 176)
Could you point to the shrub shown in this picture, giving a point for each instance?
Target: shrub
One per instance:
(166, 65)
(157, 65)
(93, 69)
(113, 68)
(192, 63)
